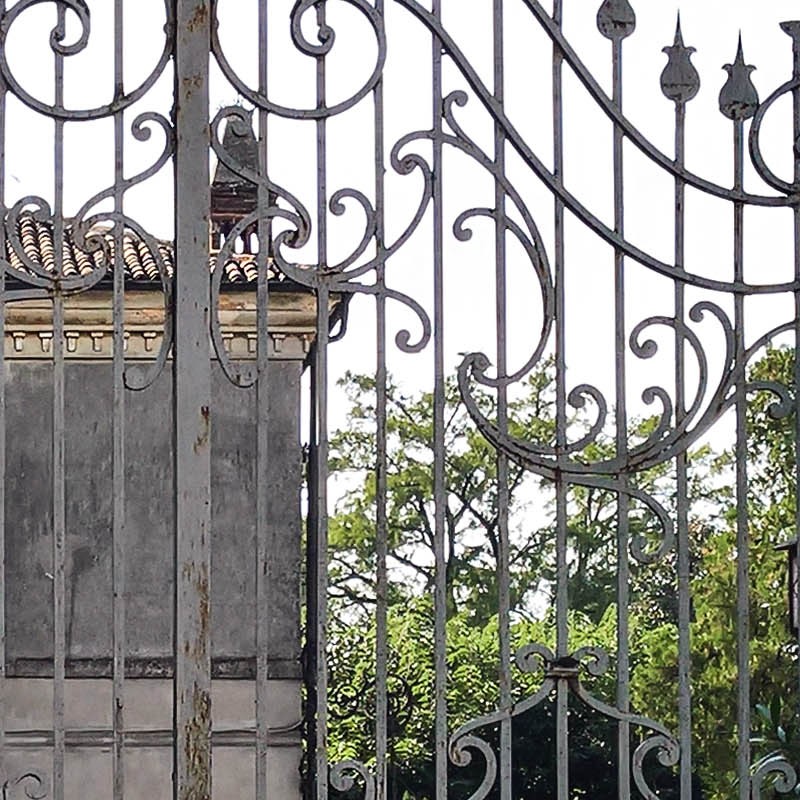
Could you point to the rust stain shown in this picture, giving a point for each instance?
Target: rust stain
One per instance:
(199, 580)
(197, 748)
(202, 439)
(192, 82)
(204, 609)
(199, 18)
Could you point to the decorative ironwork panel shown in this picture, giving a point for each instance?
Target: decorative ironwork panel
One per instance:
(536, 425)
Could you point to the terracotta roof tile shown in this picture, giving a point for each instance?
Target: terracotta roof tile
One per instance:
(36, 238)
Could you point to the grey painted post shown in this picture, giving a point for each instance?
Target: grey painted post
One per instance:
(192, 697)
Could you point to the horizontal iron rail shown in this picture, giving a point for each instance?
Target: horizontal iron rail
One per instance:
(104, 738)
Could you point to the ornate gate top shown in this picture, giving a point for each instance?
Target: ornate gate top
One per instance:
(514, 478)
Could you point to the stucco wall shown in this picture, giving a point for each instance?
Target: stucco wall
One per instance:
(148, 768)
(149, 504)
(149, 581)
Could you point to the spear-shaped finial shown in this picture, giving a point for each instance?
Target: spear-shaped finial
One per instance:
(616, 19)
(738, 99)
(680, 81)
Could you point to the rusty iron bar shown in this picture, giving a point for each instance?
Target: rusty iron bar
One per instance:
(504, 677)
(680, 82)
(794, 31)
(262, 526)
(192, 399)
(59, 521)
(3, 676)
(439, 487)
(118, 428)
(561, 487)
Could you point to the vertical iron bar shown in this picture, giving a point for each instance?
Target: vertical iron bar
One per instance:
(503, 559)
(2, 418)
(59, 499)
(623, 561)
(323, 321)
(439, 487)
(562, 570)
(192, 395)
(118, 428)
(263, 562)
(321, 567)
(312, 589)
(681, 466)
(381, 461)
(742, 543)
(796, 214)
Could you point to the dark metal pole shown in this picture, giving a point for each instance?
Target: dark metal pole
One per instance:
(192, 393)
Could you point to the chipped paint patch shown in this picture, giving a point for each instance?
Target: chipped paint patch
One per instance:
(199, 18)
(205, 429)
(197, 747)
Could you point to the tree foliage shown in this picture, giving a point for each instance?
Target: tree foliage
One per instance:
(471, 510)
(471, 523)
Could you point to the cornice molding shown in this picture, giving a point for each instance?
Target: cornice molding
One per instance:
(88, 326)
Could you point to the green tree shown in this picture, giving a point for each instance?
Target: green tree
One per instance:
(471, 691)
(772, 651)
(471, 513)
(471, 579)
(471, 508)
(471, 525)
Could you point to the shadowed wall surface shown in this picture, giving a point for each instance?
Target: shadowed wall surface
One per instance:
(149, 521)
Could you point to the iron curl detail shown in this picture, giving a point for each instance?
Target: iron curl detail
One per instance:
(239, 375)
(31, 782)
(36, 273)
(58, 45)
(461, 755)
(785, 778)
(754, 141)
(668, 753)
(326, 37)
(343, 777)
(338, 278)
(667, 439)
(135, 377)
(527, 235)
(557, 188)
(295, 236)
(142, 130)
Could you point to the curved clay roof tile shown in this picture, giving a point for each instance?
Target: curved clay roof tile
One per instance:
(140, 263)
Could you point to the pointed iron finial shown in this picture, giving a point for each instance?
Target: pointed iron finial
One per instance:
(680, 81)
(738, 99)
(616, 19)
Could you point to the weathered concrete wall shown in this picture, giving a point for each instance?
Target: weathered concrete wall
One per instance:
(148, 710)
(149, 541)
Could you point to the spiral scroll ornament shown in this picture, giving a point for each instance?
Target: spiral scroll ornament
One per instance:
(30, 785)
(79, 9)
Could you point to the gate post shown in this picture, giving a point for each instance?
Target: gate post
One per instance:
(191, 402)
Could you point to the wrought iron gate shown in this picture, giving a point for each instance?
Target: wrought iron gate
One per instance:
(274, 233)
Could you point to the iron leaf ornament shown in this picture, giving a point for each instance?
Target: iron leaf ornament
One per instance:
(738, 99)
(680, 81)
(616, 19)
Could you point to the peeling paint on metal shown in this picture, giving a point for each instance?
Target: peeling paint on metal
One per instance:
(197, 747)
